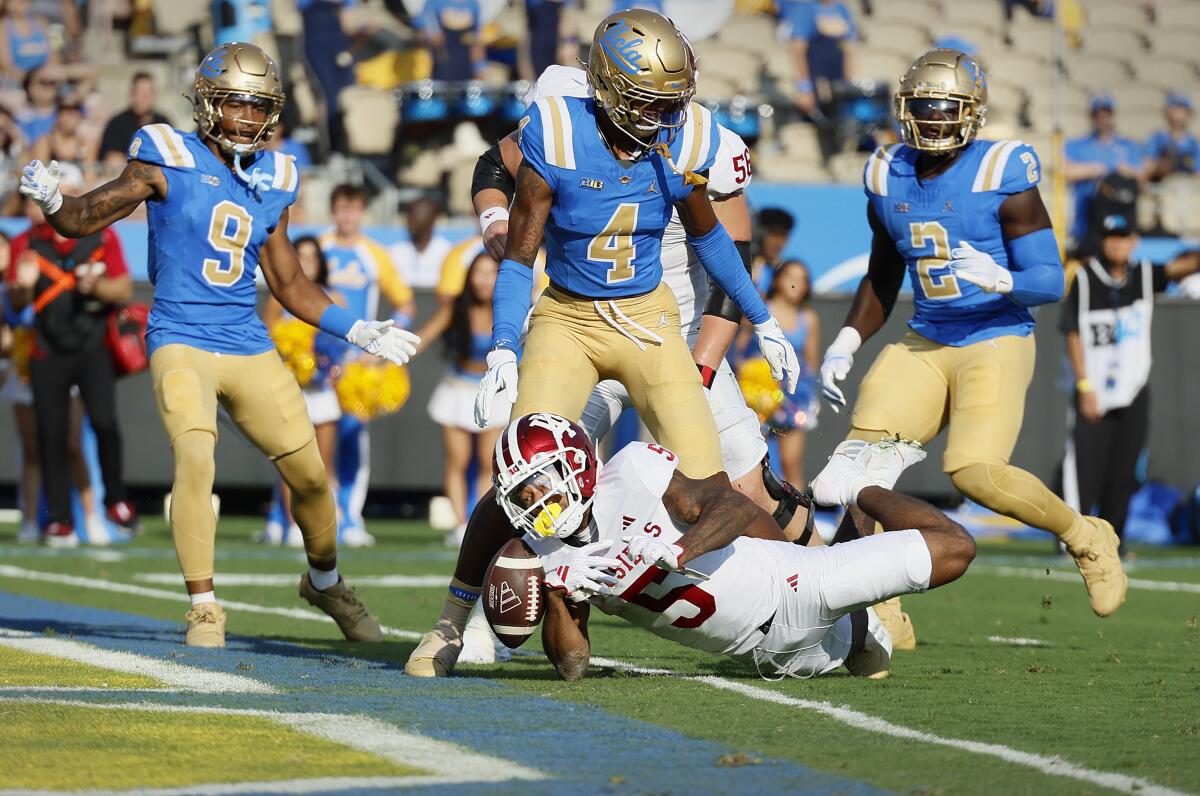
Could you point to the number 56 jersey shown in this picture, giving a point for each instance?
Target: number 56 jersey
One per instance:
(928, 217)
(722, 614)
(205, 238)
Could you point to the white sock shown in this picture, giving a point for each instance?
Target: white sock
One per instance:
(323, 579)
(202, 597)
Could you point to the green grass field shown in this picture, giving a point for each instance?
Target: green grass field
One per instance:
(1015, 686)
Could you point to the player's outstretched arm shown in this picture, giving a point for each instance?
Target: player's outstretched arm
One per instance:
(492, 189)
(565, 636)
(722, 316)
(951, 548)
(78, 216)
(307, 301)
(716, 515)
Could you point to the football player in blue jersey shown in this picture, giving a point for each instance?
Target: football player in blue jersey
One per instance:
(964, 218)
(599, 179)
(218, 209)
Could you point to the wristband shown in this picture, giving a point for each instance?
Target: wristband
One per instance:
(1084, 385)
(491, 216)
(338, 321)
(847, 342)
(707, 375)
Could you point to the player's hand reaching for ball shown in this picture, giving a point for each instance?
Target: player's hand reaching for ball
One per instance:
(384, 340)
(655, 552)
(585, 574)
(501, 377)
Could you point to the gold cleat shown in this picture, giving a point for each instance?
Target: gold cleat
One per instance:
(205, 626)
(437, 653)
(898, 624)
(1093, 544)
(343, 606)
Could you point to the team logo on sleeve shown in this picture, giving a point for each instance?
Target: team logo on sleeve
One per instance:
(134, 147)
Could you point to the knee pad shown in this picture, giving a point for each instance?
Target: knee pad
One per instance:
(993, 486)
(303, 469)
(195, 456)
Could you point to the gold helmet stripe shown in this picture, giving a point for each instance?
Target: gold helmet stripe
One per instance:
(991, 169)
(170, 146)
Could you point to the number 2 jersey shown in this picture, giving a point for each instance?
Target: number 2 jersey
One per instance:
(929, 217)
(721, 615)
(605, 230)
(205, 238)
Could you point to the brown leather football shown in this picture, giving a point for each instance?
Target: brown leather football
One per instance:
(512, 593)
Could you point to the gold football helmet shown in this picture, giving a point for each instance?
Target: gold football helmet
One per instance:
(244, 72)
(643, 73)
(942, 101)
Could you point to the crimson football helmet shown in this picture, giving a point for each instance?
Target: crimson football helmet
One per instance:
(545, 474)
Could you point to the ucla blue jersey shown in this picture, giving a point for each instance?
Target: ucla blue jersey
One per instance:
(205, 238)
(605, 229)
(928, 218)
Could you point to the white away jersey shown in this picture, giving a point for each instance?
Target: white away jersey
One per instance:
(729, 174)
(721, 615)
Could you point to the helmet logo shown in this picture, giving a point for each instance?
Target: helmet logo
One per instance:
(212, 66)
(560, 427)
(622, 49)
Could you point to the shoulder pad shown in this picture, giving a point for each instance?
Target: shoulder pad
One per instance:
(875, 174)
(730, 171)
(1009, 167)
(558, 81)
(161, 145)
(547, 136)
(643, 466)
(286, 176)
(695, 146)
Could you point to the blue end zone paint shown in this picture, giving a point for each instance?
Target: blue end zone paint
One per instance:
(580, 747)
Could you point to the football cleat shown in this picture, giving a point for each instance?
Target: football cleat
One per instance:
(874, 660)
(122, 513)
(1093, 544)
(437, 653)
(885, 460)
(356, 536)
(341, 603)
(899, 625)
(205, 626)
(28, 533)
(840, 481)
(60, 534)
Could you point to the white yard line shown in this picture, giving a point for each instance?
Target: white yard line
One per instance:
(224, 580)
(1054, 766)
(187, 678)
(446, 763)
(1019, 641)
(1073, 577)
(9, 571)
(82, 689)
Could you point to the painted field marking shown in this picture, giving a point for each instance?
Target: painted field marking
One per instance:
(1055, 766)
(447, 763)
(1073, 577)
(1019, 642)
(9, 571)
(279, 579)
(186, 678)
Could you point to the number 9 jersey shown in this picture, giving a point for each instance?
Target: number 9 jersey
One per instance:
(204, 242)
(928, 217)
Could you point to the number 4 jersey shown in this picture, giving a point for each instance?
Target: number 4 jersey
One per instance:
(929, 217)
(205, 237)
(722, 614)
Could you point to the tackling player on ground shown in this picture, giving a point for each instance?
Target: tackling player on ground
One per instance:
(697, 563)
(218, 209)
(965, 219)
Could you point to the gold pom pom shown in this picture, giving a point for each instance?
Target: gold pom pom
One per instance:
(760, 389)
(368, 389)
(294, 339)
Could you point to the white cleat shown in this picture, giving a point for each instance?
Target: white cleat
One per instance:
(356, 536)
(886, 460)
(29, 533)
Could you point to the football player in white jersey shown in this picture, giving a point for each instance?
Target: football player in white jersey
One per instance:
(708, 319)
(699, 564)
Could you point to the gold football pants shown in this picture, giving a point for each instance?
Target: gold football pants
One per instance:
(574, 342)
(263, 399)
(918, 387)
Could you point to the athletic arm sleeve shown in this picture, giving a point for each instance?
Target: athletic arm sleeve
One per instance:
(1037, 270)
(511, 301)
(721, 260)
(718, 303)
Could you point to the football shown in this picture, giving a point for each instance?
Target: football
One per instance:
(512, 596)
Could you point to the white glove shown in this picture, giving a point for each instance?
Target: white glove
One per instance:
(779, 353)
(655, 552)
(382, 339)
(839, 358)
(40, 183)
(585, 574)
(501, 377)
(979, 268)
